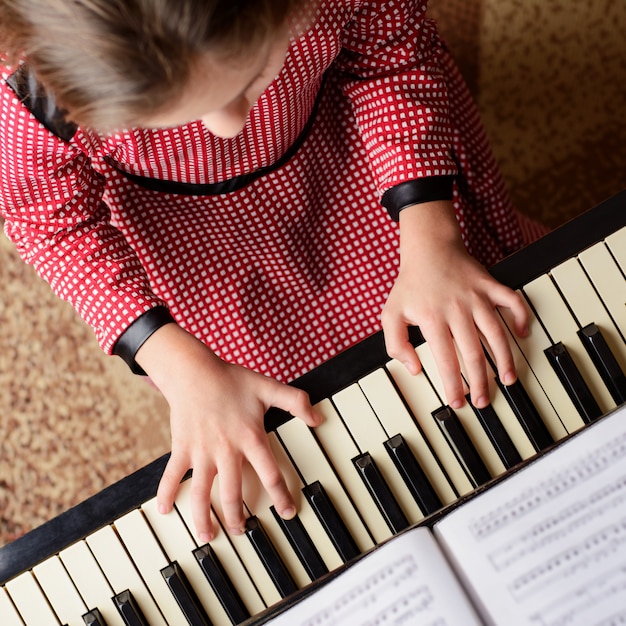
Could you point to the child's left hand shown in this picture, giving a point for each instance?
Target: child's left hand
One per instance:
(217, 421)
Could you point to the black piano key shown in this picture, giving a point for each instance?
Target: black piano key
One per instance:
(575, 385)
(462, 445)
(413, 475)
(94, 618)
(526, 414)
(605, 362)
(380, 492)
(129, 609)
(269, 557)
(185, 595)
(302, 545)
(497, 434)
(331, 521)
(221, 584)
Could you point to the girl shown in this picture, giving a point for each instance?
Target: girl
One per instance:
(204, 180)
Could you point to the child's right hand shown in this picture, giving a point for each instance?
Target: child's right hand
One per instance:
(454, 301)
(216, 413)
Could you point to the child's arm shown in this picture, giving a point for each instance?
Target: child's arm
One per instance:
(453, 299)
(216, 412)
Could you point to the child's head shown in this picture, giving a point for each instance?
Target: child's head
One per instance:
(115, 63)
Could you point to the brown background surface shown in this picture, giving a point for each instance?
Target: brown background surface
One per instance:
(548, 76)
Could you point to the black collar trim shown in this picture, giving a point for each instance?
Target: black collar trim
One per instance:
(223, 187)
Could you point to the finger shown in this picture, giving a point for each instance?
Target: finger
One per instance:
(174, 471)
(444, 352)
(514, 301)
(230, 482)
(201, 484)
(497, 341)
(264, 464)
(467, 338)
(296, 402)
(397, 342)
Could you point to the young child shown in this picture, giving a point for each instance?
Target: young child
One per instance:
(231, 193)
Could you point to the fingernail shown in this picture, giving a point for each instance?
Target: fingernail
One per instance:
(456, 404)
(410, 367)
(481, 402)
(163, 509)
(509, 378)
(288, 513)
(206, 537)
(236, 531)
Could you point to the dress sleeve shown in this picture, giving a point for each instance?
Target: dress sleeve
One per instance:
(51, 201)
(393, 78)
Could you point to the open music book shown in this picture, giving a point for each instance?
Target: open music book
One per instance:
(544, 547)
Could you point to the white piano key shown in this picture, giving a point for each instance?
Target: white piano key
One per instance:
(509, 420)
(587, 306)
(258, 503)
(121, 573)
(149, 560)
(306, 514)
(395, 418)
(340, 449)
(532, 348)
(90, 582)
(251, 562)
(533, 387)
(606, 277)
(268, 553)
(225, 551)
(370, 436)
(175, 539)
(617, 245)
(503, 410)
(313, 466)
(30, 601)
(422, 400)
(465, 414)
(561, 326)
(10, 616)
(60, 591)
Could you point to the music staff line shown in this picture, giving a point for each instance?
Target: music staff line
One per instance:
(591, 550)
(368, 592)
(577, 473)
(559, 526)
(567, 609)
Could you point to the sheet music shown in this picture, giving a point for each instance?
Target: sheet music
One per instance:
(405, 582)
(547, 546)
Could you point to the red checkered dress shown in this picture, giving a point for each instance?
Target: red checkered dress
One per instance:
(273, 246)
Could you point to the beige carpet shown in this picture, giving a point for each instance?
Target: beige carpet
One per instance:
(549, 79)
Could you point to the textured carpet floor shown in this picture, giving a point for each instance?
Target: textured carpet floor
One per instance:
(548, 76)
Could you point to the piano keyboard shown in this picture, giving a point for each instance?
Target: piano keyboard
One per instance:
(389, 454)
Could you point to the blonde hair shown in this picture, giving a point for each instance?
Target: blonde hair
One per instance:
(109, 63)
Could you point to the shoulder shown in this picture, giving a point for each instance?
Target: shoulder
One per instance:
(30, 95)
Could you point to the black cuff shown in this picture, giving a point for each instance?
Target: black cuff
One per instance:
(417, 191)
(128, 344)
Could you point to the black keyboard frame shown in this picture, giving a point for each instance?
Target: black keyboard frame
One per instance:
(342, 370)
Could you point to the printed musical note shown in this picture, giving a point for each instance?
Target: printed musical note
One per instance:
(372, 592)
(548, 544)
(579, 471)
(406, 581)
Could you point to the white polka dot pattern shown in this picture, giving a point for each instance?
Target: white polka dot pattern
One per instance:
(297, 265)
